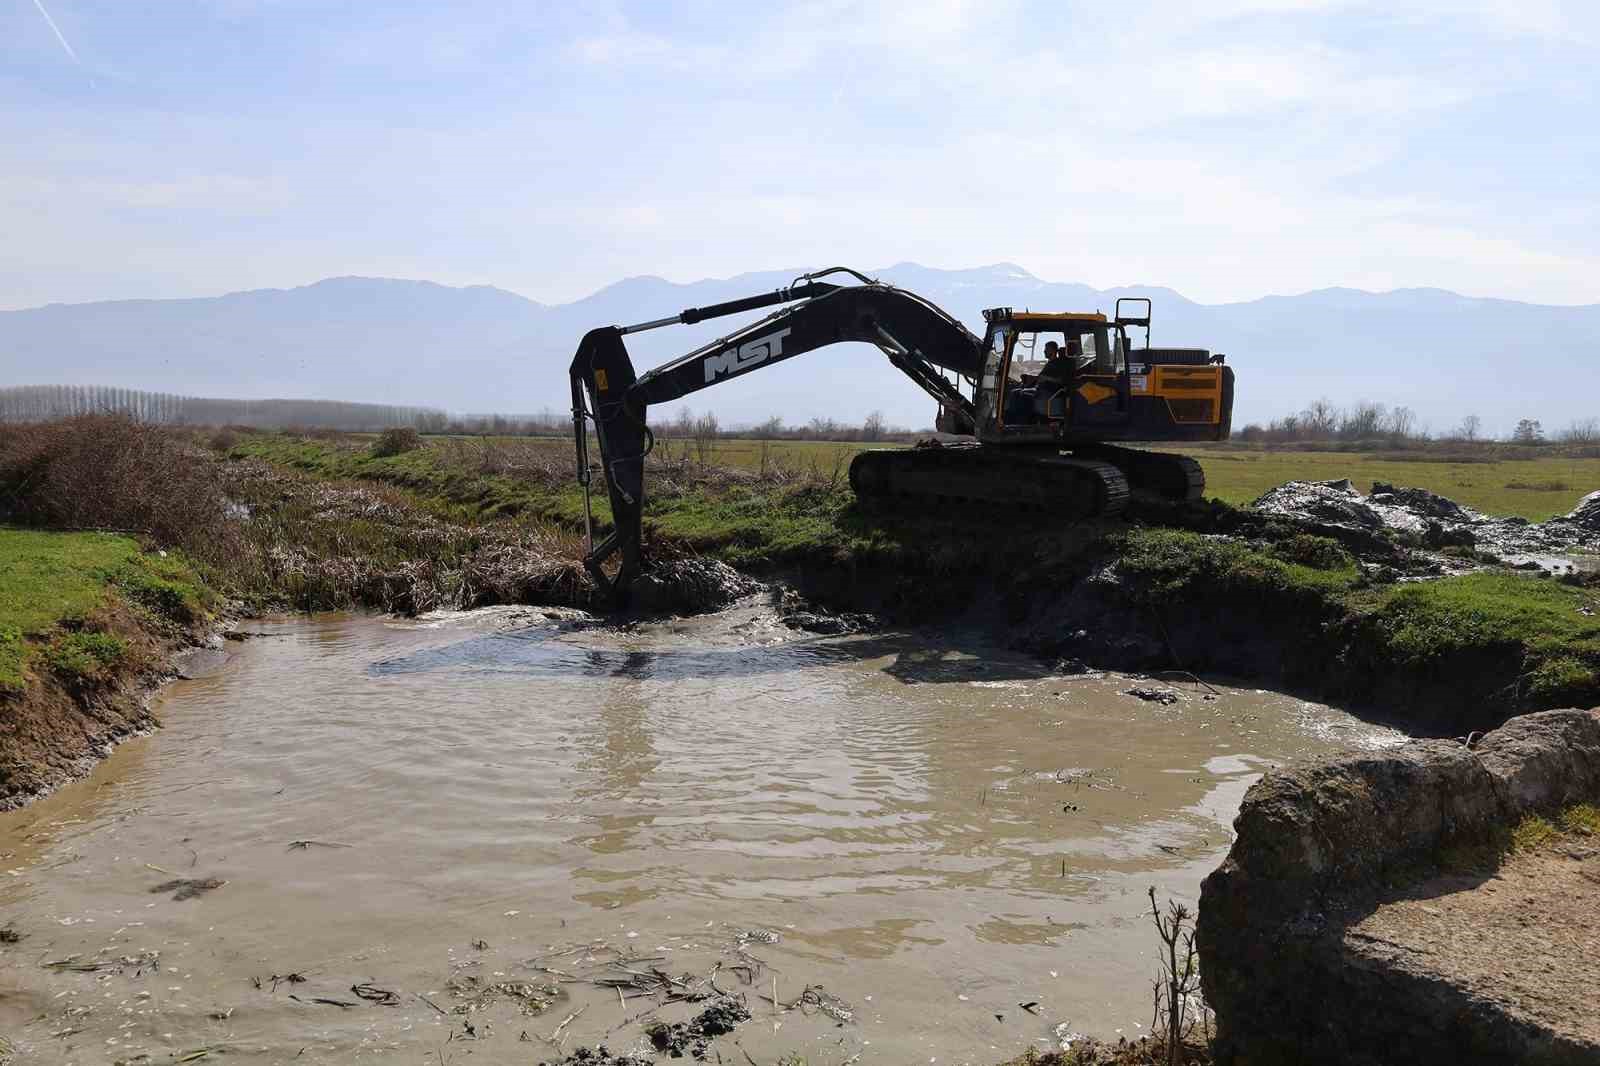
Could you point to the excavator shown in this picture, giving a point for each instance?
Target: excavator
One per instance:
(1028, 412)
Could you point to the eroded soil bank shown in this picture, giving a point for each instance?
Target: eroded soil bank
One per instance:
(1428, 903)
(395, 838)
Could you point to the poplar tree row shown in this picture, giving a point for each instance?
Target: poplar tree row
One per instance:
(38, 403)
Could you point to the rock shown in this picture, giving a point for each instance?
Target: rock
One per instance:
(1316, 847)
(1153, 695)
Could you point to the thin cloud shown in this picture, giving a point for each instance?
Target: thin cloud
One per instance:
(57, 29)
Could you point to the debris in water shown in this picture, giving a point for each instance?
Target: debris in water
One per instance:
(9, 935)
(695, 1035)
(145, 960)
(307, 844)
(322, 999)
(599, 1056)
(1153, 695)
(759, 936)
(477, 994)
(373, 994)
(188, 888)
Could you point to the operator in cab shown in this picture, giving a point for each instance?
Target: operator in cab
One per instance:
(1054, 375)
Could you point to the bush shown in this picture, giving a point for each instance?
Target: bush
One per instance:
(223, 440)
(396, 441)
(112, 472)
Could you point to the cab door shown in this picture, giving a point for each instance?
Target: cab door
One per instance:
(1099, 393)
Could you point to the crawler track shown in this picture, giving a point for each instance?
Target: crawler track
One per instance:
(1069, 486)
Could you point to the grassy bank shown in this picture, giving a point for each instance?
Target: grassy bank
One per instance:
(85, 620)
(1455, 651)
(58, 589)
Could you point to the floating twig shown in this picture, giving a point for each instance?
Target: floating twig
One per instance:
(373, 994)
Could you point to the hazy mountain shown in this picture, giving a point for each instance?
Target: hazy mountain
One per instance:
(485, 349)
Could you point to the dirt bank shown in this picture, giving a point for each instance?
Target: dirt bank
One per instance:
(64, 720)
(1314, 934)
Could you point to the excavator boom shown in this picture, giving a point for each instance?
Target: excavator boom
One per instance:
(918, 338)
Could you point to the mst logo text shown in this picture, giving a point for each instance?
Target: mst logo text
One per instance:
(749, 354)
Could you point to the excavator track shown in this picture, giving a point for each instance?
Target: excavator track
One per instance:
(1069, 486)
(1161, 474)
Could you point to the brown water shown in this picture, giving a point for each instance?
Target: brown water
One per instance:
(933, 833)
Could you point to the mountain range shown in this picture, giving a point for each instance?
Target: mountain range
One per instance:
(483, 349)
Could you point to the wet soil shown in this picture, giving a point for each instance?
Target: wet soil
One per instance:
(533, 835)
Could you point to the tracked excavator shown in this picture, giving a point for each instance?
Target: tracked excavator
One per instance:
(1031, 414)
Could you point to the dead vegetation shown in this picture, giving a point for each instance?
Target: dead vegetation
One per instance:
(112, 472)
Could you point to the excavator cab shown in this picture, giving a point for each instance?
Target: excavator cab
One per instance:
(1046, 374)
(1077, 378)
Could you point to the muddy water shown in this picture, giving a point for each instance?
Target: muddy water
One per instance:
(926, 834)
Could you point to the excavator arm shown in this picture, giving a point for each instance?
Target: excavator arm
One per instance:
(919, 338)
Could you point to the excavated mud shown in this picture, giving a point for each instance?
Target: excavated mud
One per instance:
(690, 586)
(1439, 522)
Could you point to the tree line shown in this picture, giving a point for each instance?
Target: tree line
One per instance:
(1368, 421)
(40, 403)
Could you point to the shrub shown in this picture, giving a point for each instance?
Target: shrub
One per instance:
(396, 441)
(223, 440)
(113, 472)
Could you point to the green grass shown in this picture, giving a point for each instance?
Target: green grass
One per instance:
(1425, 623)
(85, 655)
(48, 578)
(1535, 488)
(52, 578)
(1176, 566)
(1583, 819)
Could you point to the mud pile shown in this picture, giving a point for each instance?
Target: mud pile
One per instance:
(1440, 522)
(689, 586)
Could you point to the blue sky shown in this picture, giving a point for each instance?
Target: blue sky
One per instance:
(1260, 146)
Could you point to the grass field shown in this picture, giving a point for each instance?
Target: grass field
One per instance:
(1535, 488)
(51, 577)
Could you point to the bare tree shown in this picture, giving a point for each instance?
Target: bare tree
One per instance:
(1528, 431)
(872, 428)
(1469, 429)
(1582, 431)
(1179, 984)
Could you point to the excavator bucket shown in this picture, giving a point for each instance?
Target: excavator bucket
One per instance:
(602, 374)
